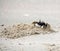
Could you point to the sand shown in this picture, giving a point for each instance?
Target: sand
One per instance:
(21, 30)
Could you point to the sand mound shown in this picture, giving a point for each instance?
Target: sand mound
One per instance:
(20, 30)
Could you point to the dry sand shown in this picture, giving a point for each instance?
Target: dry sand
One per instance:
(20, 30)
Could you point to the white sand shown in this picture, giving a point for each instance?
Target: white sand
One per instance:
(28, 38)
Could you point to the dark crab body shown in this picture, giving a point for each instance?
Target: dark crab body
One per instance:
(40, 24)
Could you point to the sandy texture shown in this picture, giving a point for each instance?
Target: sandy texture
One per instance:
(20, 30)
